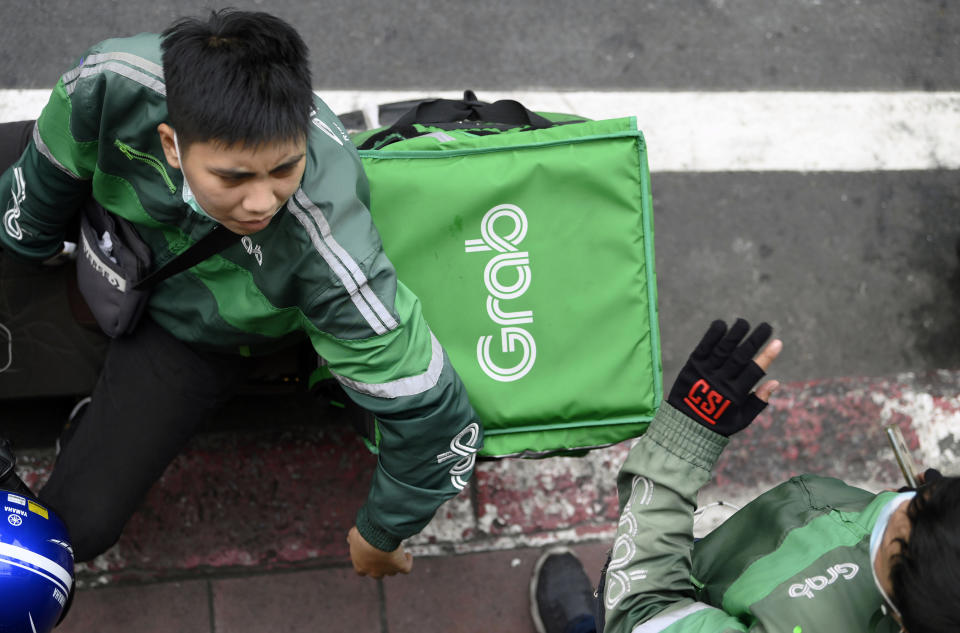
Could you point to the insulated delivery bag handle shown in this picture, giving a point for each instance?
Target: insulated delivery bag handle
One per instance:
(530, 246)
(462, 113)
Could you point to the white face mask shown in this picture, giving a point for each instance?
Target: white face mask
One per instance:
(876, 538)
(188, 197)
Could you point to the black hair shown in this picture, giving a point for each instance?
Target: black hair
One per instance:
(926, 573)
(239, 78)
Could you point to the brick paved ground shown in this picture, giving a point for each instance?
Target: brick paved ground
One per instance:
(246, 530)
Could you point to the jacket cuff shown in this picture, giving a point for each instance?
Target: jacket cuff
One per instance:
(686, 438)
(374, 534)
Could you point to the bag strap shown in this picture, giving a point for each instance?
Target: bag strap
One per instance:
(466, 109)
(208, 245)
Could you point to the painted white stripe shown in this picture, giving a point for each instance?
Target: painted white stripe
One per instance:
(660, 622)
(361, 279)
(45, 151)
(723, 131)
(42, 562)
(758, 131)
(409, 386)
(338, 269)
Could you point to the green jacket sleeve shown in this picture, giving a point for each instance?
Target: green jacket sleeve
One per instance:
(42, 191)
(370, 329)
(429, 432)
(648, 584)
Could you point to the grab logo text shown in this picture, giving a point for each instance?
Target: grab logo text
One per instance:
(504, 298)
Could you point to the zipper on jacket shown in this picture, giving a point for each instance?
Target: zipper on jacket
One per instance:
(149, 159)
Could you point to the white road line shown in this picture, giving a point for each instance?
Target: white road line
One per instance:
(724, 131)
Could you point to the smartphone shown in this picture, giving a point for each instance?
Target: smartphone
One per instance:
(902, 453)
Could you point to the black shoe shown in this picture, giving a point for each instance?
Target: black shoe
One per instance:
(73, 420)
(560, 592)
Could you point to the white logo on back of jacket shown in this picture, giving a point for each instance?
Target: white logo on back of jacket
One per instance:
(252, 249)
(817, 583)
(18, 193)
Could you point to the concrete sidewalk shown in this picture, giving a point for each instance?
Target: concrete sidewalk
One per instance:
(246, 530)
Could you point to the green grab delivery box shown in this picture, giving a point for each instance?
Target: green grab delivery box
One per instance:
(532, 254)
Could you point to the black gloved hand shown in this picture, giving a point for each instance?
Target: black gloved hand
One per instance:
(714, 386)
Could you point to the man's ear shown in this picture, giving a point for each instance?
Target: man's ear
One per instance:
(169, 147)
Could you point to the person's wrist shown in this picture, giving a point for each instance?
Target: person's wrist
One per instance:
(686, 438)
(375, 535)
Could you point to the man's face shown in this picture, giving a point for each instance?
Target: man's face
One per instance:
(240, 187)
(898, 528)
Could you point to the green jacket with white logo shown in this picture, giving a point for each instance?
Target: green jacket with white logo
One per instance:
(794, 560)
(318, 271)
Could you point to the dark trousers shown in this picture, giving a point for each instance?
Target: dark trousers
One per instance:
(153, 392)
(150, 396)
(13, 139)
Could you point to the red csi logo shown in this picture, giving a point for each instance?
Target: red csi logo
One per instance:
(706, 402)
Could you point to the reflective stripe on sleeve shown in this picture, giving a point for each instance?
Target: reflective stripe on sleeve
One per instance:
(343, 266)
(85, 69)
(661, 622)
(130, 73)
(409, 386)
(46, 153)
(361, 280)
(129, 58)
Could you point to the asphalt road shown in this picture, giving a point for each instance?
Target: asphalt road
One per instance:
(570, 44)
(857, 270)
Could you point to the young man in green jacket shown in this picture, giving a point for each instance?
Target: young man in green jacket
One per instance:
(812, 555)
(215, 123)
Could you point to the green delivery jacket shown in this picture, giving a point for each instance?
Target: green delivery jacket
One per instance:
(794, 560)
(317, 271)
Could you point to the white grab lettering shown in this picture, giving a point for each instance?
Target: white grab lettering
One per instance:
(619, 582)
(514, 340)
(818, 583)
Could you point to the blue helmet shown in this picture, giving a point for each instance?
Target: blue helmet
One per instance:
(36, 562)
